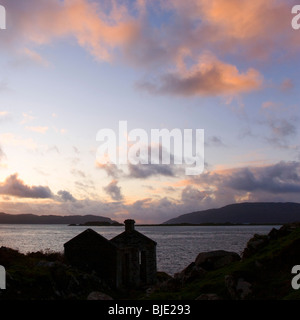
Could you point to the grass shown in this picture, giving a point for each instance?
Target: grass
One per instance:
(268, 270)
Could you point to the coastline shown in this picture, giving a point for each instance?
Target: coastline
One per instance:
(263, 271)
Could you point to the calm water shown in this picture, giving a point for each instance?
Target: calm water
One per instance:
(176, 246)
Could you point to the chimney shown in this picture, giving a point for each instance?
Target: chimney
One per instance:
(129, 225)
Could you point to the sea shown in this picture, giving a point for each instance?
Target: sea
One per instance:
(177, 246)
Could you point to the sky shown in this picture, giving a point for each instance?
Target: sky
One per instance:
(71, 68)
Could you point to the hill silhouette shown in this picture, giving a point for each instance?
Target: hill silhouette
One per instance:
(6, 218)
(244, 213)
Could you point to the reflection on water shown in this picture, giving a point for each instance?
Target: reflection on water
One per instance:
(177, 246)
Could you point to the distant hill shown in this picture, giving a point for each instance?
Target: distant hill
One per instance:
(244, 213)
(50, 219)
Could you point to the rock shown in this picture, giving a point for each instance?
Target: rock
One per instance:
(169, 285)
(274, 234)
(256, 242)
(238, 288)
(96, 295)
(208, 296)
(162, 276)
(213, 260)
(243, 288)
(287, 229)
(191, 272)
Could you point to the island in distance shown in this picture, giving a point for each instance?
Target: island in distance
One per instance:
(243, 213)
(98, 223)
(275, 213)
(6, 218)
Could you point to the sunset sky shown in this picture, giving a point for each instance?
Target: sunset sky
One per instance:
(70, 68)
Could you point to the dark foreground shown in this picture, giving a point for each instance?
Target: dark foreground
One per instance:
(262, 272)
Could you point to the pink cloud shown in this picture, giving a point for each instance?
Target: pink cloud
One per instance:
(43, 21)
(14, 186)
(252, 30)
(208, 76)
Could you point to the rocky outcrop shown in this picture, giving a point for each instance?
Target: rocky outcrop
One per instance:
(237, 287)
(262, 272)
(191, 272)
(213, 260)
(255, 243)
(205, 262)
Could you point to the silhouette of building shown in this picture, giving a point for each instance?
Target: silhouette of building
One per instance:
(127, 260)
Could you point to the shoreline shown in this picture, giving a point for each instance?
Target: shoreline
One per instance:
(260, 272)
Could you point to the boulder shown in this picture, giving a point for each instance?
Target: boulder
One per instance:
(255, 243)
(191, 272)
(213, 260)
(238, 288)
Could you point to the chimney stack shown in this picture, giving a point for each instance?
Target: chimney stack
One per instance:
(129, 225)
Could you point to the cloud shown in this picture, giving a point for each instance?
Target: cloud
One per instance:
(98, 27)
(35, 57)
(14, 186)
(208, 77)
(287, 85)
(38, 129)
(4, 116)
(283, 177)
(111, 169)
(214, 141)
(53, 149)
(143, 171)
(27, 117)
(270, 105)
(78, 173)
(133, 32)
(283, 128)
(11, 139)
(113, 190)
(65, 196)
(250, 28)
(281, 131)
(191, 195)
(275, 182)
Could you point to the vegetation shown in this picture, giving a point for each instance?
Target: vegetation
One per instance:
(262, 273)
(265, 268)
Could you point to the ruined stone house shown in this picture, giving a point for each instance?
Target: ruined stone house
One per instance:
(127, 260)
